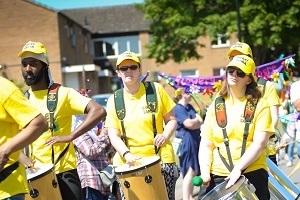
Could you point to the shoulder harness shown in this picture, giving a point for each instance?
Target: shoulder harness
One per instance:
(151, 101)
(51, 102)
(52, 98)
(221, 118)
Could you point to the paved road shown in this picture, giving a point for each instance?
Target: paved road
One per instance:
(295, 178)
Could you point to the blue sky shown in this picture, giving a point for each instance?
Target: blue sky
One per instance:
(70, 4)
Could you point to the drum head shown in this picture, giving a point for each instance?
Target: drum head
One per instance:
(140, 164)
(38, 171)
(221, 193)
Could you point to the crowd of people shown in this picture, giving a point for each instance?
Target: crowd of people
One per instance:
(234, 138)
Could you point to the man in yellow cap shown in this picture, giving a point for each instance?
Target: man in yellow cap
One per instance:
(269, 93)
(16, 113)
(55, 146)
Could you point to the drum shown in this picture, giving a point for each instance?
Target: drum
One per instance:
(240, 190)
(280, 186)
(144, 180)
(42, 183)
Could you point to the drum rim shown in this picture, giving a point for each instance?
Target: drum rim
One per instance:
(41, 175)
(138, 169)
(225, 182)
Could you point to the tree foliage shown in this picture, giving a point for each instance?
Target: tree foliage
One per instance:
(271, 28)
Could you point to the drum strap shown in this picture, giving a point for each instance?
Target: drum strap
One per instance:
(221, 118)
(8, 170)
(52, 102)
(151, 105)
(52, 98)
(60, 155)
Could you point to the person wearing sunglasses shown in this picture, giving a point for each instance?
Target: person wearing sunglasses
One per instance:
(269, 93)
(238, 90)
(140, 140)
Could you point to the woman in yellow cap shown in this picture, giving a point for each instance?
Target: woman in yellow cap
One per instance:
(224, 152)
(136, 138)
(188, 128)
(269, 94)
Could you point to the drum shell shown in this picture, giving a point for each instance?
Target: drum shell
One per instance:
(240, 190)
(139, 189)
(42, 182)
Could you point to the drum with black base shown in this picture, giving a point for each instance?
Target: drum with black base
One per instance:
(42, 183)
(144, 180)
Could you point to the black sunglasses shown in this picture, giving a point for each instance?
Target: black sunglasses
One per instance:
(125, 68)
(239, 72)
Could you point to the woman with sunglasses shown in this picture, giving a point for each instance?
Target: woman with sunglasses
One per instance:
(141, 140)
(217, 154)
(269, 93)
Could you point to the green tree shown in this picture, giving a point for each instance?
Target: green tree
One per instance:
(271, 28)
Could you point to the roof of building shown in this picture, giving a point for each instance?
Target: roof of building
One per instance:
(105, 20)
(40, 5)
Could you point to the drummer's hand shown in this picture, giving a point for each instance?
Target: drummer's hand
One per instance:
(3, 159)
(159, 140)
(281, 146)
(233, 177)
(131, 159)
(206, 180)
(26, 161)
(58, 139)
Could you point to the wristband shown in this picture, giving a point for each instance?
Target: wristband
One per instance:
(126, 152)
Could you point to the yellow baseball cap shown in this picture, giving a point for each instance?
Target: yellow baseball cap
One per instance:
(240, 48)
(127, 55)
(245, 63)
(34, 50)
(178, 92)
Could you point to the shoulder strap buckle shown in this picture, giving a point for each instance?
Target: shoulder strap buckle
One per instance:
(52, 103)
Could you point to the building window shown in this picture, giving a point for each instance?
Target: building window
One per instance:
(189, 73)
(73, 38)
(113, 46)
(220, 41)
(68, 30)
(219, 71)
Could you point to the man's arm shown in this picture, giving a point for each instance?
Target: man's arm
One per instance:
(94, 114)
(26, 136)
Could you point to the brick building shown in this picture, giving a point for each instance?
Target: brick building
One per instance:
(83, 44)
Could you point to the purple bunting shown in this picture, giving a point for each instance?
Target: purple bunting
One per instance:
(199, 84)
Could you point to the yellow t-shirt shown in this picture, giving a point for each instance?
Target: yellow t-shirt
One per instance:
(235, 130)
(15, 113)
(138, 123)
(70, 102)
(272, 98)
(270, 94)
